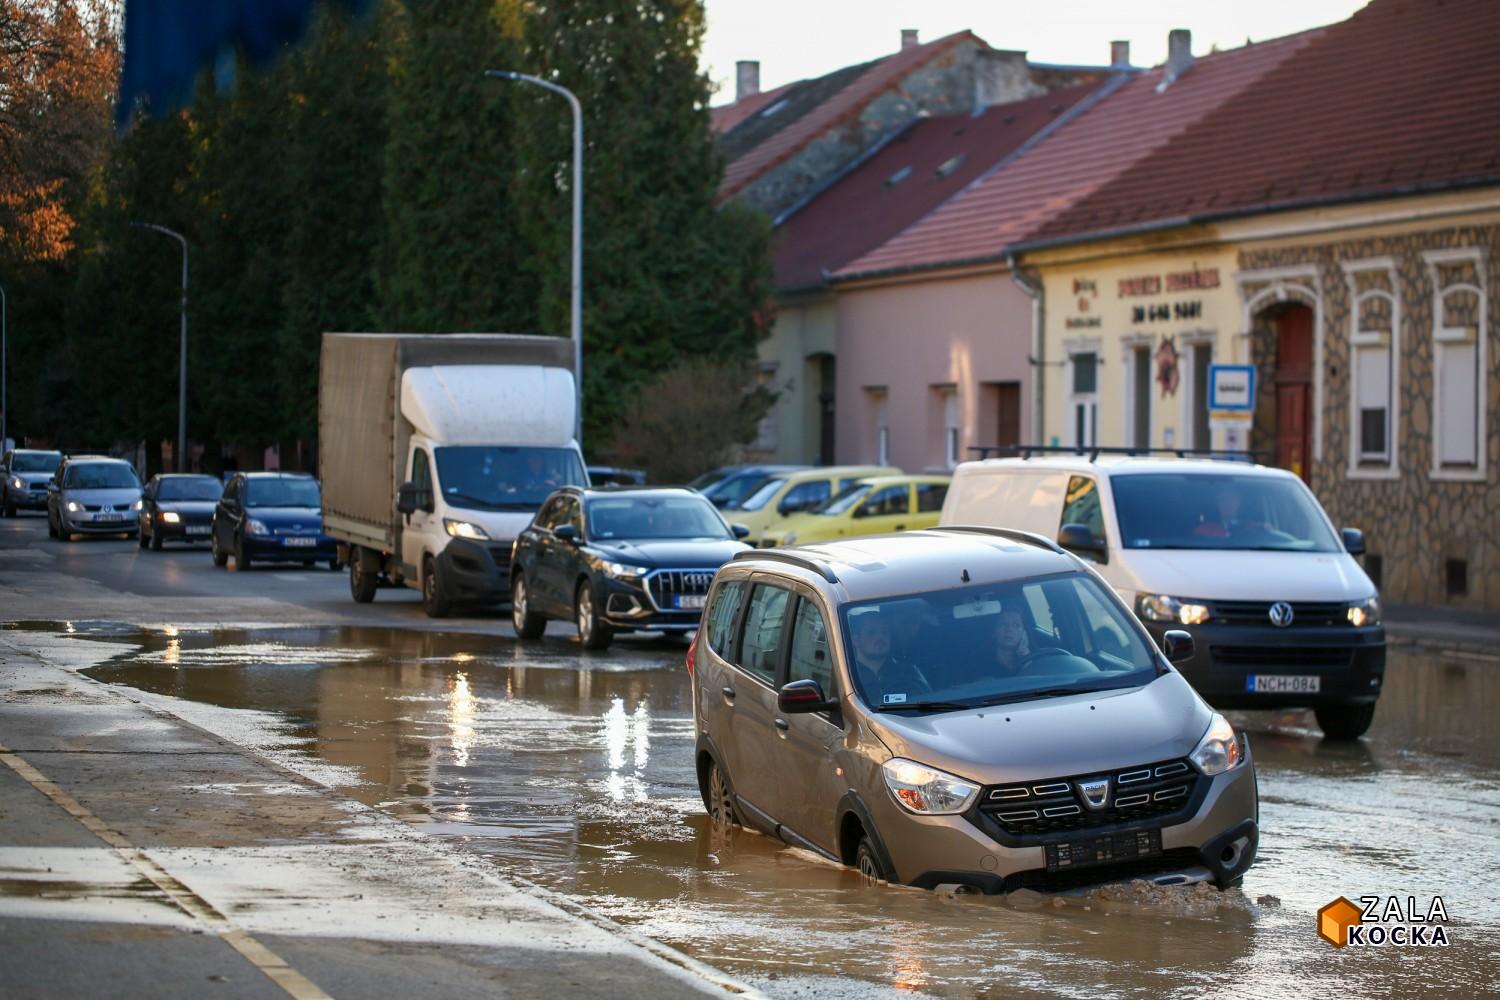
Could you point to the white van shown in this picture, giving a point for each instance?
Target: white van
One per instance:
(1241, 556)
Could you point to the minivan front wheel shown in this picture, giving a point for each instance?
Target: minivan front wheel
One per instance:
(1347, 721)
(868, 862)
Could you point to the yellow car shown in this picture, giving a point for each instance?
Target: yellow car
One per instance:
(784, 494)
(870, 506)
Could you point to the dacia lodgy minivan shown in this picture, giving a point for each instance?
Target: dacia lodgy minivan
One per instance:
(968, 706)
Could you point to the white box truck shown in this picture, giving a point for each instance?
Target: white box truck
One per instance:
(435, 450)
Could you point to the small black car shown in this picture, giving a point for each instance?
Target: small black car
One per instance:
(178, 507)
(618, 560)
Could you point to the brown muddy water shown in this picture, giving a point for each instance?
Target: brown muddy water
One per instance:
(576, 771)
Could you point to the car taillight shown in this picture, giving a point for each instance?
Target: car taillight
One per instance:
(692, 649)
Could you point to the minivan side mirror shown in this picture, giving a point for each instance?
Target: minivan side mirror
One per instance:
(1081, 540)
(802, 697)
(567, 533)
(1178, 645)
(740, 530)
(1354, 541)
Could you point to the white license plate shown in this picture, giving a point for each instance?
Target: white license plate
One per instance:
(1283, 684)
(109, 518)
(300, 542)
(686, 601)
(197, 529)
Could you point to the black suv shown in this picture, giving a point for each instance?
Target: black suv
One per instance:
(618, 560)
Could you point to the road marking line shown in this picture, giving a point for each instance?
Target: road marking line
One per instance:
(296, 985)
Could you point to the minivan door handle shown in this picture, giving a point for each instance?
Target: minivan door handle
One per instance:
(728, 693)
(782, 726)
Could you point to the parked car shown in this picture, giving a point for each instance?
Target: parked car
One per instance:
(178, 507)
(270, 517)
(92, 495)
(23, 479)
(1240, 556)
(783, 494)
(618, 560)
(732, 483)
(962, 706)
(614, 475)
(871, 506)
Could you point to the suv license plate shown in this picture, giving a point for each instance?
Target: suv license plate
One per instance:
(1283, 684)
(304, 542)
(1103, 850)
(686, 601)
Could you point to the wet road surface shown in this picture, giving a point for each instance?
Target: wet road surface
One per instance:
(576, 771)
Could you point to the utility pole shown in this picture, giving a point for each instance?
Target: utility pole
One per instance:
(182, 456)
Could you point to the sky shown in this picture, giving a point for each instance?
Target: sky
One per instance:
(797, 39)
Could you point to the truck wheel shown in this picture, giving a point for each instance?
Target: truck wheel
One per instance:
(1345, 722)
(592, 633)
(362, 583)
(526, 624)
(434, 600)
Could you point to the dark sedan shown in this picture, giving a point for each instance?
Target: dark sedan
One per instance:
(178, 508)
(618, 560)
(271, 517)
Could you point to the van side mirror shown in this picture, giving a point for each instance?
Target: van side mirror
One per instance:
(1354, 541)
(802, 697)
(1178, 645)
(740, 530)
(1081, 540)
(408, 498)
(567, 533)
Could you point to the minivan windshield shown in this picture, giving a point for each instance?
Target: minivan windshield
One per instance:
(189, 488)
(1168, 510)
(279, 492)
(487, 477)
(641, 517)
(994, 644)
(34, 461)
(100, 476)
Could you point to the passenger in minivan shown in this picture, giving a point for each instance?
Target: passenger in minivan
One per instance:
(879, 670)
(1011, 644)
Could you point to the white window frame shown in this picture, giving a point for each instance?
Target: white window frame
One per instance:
(1358, 467)
(1089, 400)
(1475, 255)
(1189, 387)
(952, 427)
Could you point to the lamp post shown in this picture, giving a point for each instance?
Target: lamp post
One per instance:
(4, 403)
(572, 99)
(182, 462)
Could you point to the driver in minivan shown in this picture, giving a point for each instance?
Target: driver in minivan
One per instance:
(881, 674)
(1228, 523)
(1011, 645)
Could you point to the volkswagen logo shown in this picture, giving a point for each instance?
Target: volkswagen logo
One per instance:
(1095, 792)
(1281, 614)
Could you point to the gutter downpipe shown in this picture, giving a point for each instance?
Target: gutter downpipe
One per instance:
(1038, 344)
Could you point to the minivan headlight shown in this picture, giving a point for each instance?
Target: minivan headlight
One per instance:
(1219, 750)
(1366, 612)
(1161, 608)
(922, 789)
(74, 506)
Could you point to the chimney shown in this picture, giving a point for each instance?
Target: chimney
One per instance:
(1001, 76)
(909, 38)
(1119, 53)
(746, 79)
(1179, 52)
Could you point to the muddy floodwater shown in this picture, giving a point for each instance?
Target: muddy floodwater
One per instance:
(576, 771)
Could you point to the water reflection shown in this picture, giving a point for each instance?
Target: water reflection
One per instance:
(461, 705)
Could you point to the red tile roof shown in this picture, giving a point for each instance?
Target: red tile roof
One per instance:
(1403, 96)
(847, 103)
(727, 116)
(1105, 138)
(869, 204)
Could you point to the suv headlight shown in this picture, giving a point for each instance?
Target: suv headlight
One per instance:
(1219, 750)
(465, 529)
(1161, 608)
(256, 527)
(623, 571)
(926, 790)
(1366, 612)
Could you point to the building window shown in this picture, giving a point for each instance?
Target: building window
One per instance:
(877, 398)
(1459, 332)
(951, 454)
(1138, 376)
(1083, 398)
(1374, 362)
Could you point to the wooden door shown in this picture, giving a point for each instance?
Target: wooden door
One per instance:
(1294, 364)
(1007, 414)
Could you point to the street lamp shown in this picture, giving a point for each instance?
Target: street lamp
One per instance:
(182, 465)
(505, 74)
(4, 405)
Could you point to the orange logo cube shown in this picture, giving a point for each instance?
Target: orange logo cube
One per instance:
(1335, 919)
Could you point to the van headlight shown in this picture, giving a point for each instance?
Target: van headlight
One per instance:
(926, 790)
(465, 529)
(1161, 608)
(1366, 612)
(1219, 750)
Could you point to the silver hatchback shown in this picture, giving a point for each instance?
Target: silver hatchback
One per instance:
(93, 496)
(968, 706)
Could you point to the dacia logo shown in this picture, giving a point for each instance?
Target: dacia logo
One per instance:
(1095, 792)
(1281, 614)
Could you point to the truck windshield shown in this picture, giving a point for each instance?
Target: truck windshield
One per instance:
(1228, 511)
(485, 477)
(282, 493)
(32, 461)
(992, 644)
(654, 517)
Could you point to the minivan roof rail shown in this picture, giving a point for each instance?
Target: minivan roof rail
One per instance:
(791, 559)
(1093, 452)
(1010, 534)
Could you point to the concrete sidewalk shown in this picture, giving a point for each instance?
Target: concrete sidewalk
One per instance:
(1448, 629)
(141, 856)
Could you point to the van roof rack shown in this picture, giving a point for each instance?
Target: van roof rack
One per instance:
(1010, 534)
(1093, 452)
(791, 559)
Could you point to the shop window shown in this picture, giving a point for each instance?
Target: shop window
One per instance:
(1459, 360)
(1374, 357)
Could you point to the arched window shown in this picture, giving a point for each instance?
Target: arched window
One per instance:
(1374, 366)
(1459, 361)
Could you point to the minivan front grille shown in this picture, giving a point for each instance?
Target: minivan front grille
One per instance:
(1304, 613)
(666, 585)
(1320, 657)
(1159, 792)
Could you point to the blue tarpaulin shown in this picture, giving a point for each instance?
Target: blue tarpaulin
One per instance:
(168, 43)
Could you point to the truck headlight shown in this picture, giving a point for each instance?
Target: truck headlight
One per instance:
(1161, 608)
(926, 790)
(624, 571)
(1366, 612)
(1219, 749)
(256, 527)
(465, 529)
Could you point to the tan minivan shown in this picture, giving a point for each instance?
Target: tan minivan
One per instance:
(966, 706)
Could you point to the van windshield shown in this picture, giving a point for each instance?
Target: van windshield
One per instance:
(487, 477)
(1167, 510)
(994, 644)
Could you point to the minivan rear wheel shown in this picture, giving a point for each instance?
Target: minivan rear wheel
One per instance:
(1347, 721)
(868, 862)
(717, 796)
